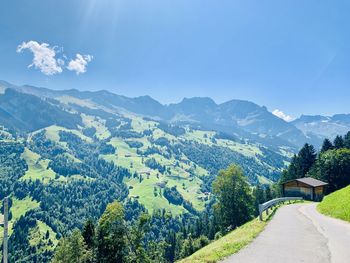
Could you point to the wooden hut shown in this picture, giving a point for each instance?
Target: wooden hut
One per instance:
(145, 171)
(307, 187)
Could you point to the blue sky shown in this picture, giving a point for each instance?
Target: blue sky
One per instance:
(288, 55)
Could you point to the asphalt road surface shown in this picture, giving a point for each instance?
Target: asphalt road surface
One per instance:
(298, 233)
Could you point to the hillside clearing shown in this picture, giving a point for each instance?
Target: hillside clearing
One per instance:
(18, 209)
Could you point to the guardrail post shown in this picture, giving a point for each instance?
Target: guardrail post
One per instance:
(260, 212)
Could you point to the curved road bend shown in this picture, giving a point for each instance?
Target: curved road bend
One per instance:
(298, 233)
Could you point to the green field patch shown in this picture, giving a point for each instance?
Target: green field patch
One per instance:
(264, 180)
(248, 150)
(43, 237)
(101, 130)
(18, 209)
(199, 136)
(52, 133)
(138, 124)
(122, 147)
(37, 168)
(287, 152)
(157, 133)
(125, 156)
(190, 190)
(337, 204)
(144, 192)
(131, 162)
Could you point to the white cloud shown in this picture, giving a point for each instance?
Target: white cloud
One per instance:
(282, 115)
(44, 57)
(79, 63)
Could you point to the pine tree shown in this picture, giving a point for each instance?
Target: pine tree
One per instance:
(88, 233)
(347, 140)
(306, 158)
(327, 145)
(300, 164)
(170, 251)
(338, 142)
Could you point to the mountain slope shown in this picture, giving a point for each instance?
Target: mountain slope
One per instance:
(29, 113)
(319, 127)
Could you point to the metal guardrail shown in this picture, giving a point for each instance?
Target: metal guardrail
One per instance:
(265, 206)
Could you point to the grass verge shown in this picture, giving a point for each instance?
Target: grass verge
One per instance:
(230, 243)
(337, 204)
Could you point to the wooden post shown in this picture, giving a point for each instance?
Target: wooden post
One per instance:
(5, 241)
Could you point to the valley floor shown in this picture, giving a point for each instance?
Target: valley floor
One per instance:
(299, 233)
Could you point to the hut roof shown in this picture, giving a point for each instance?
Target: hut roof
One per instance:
(309, 181)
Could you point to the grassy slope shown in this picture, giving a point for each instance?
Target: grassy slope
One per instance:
(38, 237)
(37, 168)
(127, 157)
(101, 130)
(52, 133)
(227, 245)
(145, 190)
(18, 209)
(337, 204)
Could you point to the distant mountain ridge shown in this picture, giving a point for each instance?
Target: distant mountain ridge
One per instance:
(28, 113)
(237, 117)
(321, 127)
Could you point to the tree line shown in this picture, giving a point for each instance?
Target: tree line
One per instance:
(331, 164)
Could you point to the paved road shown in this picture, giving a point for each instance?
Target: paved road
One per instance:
(298, 233)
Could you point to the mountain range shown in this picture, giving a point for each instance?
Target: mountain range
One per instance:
(239, 118)
(66, 154)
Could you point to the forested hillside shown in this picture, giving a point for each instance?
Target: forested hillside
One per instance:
(65, 157)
